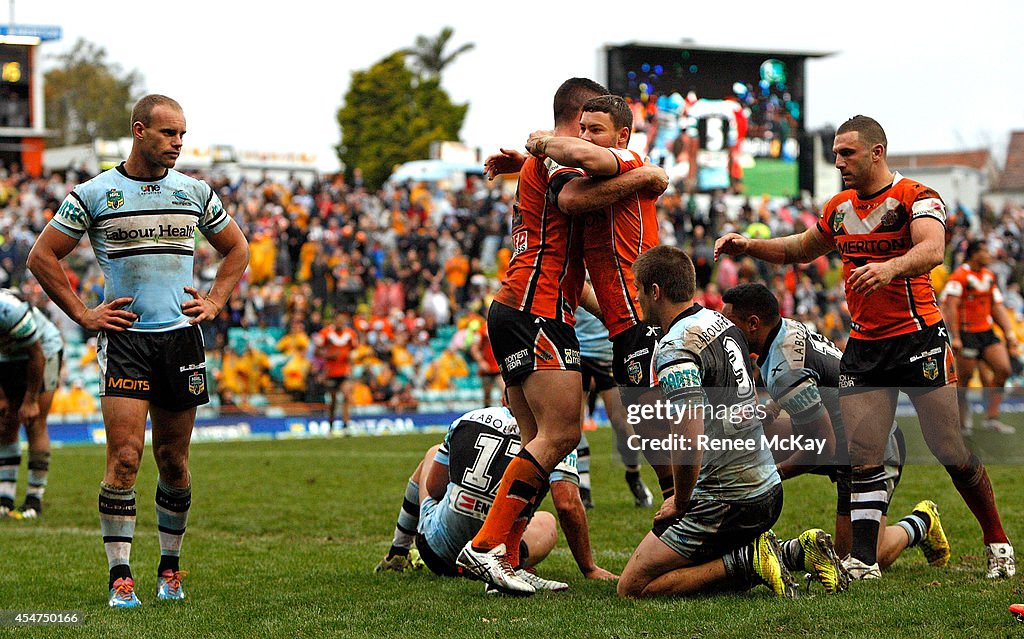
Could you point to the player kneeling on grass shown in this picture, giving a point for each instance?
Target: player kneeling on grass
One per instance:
(800, 368)
(452, 489)
(715, 531)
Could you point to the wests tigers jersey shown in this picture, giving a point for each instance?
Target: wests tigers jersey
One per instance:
(977, 291)
(613, 237)
(545, 275)
(877, 229)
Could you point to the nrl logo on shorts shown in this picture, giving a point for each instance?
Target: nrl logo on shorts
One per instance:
(196, 383)
(837, 221)
(930, 368)
(115, 199)
(635, 372)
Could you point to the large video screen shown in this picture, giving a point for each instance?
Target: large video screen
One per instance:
(15, 74)
(716, 120)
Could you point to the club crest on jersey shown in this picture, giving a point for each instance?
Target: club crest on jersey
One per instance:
(196, 383)
(889, 219)
(930, 369)
(115, 199)
(837, 221)
(635, 372)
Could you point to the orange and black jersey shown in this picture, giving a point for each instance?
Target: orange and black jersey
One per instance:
(545, 275)
(877, 229)
(613, 237)
(977, 291)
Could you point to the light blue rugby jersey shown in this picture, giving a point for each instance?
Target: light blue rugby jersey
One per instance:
(143, 233)
(22, 325)
(593, 337)
(703, 359)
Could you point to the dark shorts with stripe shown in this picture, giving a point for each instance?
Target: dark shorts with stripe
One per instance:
(14, 378)
(914, 363)
(710, 529)
(524, 343)
(167, 369)
(976, 343)
(633, 356)
(598, 373)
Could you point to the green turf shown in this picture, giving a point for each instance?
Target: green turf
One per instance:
(283, 538)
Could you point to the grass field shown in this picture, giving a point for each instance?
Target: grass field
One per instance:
(284, 535)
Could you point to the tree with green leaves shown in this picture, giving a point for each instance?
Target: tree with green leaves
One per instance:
(391, 116)
(428, 54)
(88, 97)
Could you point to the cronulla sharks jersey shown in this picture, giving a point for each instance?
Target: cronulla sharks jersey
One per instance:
(143, 233)
(703, 363)
(22, 325)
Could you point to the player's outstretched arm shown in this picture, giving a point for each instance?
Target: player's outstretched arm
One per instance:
(44, 261)
(928, 236)
(582, 195)
(232, 245)
(800, 248)
(573, 519)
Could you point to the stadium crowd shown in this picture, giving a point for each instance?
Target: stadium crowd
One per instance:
(415, 266)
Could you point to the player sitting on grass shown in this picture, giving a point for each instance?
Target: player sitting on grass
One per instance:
(452, 489)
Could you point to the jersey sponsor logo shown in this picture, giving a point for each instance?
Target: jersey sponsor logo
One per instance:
(180, 198)
(124, 383)
(847, 381)
(520, 242)
(873, 246)
(679, 376)
(801, 400)
(642, 351)
(572, 356)
(466, 503)
(163, 230)
(149, 189)
(115, 199)
(70, 212)
(196, 383)
(930, 369)
(193, 367)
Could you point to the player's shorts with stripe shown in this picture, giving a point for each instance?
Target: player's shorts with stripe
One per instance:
(913, 362)
(598, 373)
(976, 343)
(710, 529)
(14, 376)
(633, 356)
(168, 369)
(524, 343)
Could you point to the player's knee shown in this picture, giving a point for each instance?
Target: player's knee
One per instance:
(125, 463)
(171, 463)
(630, 588)
(566, 441)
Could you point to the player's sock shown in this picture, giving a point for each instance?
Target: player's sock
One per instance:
(408, 521)
(38, 472)
(971, 481)
(515, 536)
(583, 462)
(667, 484)
(792, 554)
(172, 506)
(520, 484)
(739, 567)
(916, 524)
(869, 502)
(117, 523)
(10, 459)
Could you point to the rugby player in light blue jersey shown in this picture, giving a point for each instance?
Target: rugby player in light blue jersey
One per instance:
(715, 530)
(142, 218)
(453, 488)
(30, 356)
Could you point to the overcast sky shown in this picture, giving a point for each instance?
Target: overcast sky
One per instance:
(270, 76)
